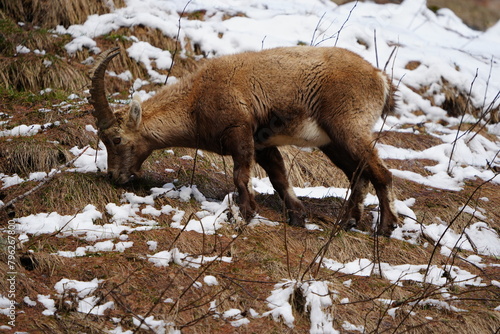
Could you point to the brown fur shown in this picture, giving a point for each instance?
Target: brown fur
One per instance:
(245, 105)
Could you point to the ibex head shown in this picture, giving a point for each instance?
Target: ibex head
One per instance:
(118, 130)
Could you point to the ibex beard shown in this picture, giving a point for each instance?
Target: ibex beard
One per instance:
(248, 104)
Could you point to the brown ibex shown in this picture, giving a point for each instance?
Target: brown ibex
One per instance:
(245, 105)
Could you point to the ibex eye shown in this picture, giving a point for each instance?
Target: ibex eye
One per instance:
(117, 140)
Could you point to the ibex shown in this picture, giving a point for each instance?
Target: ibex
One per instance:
(245, 105)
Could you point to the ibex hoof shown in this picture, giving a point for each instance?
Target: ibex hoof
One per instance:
(296, 220)
(347, 224)
(248, 215)
(386, 231)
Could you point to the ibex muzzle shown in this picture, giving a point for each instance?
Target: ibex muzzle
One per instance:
(246, 105)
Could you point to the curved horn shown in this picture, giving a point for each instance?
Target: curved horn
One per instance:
(102, 111)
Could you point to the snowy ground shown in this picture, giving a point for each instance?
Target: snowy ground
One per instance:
(440, 42)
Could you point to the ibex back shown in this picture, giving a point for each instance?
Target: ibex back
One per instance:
(246, 105)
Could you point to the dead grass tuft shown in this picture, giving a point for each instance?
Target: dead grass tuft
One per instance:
(50, 13)
(456, 102)
(67, 194)
(417, 141)
(29, 73)
(73, 133)
(26, 156)
(412, 65)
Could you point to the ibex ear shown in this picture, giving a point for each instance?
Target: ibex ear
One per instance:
(135, 113)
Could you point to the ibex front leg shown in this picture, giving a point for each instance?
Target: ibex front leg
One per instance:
(271, 160)
(239, 143)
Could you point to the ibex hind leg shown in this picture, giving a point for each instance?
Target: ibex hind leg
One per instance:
(357, 157)
(271, 160)
(353, 210)
(381, 178)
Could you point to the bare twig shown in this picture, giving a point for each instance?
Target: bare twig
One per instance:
(389, 59)
(177, 42)
(287, 254)
(195, 160)
(346, 20)
(488, 82)
(438, 242)
(112, 292)
(201, 272)
(481, 119)
(485, 110)
(448, 170)
(180, 232)
(316, 29)
(337, 34)
(159, 299)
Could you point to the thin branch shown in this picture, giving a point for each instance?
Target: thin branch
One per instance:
(195, 161)
(461, 122)
(481, 118)
(337, 34)
(451, 223)
(347, 19)
(488, 82)
(287, 253)
(389, 59)
(316, 29)
(177, 40)
(113, 293)
(209, 264)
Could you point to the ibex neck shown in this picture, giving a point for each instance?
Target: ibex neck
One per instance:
(167, 117)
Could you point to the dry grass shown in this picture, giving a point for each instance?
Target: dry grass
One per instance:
(414, 141)
(26, 156)
(29, 73)
(32, 73)
(67, 194)
(262, 256)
